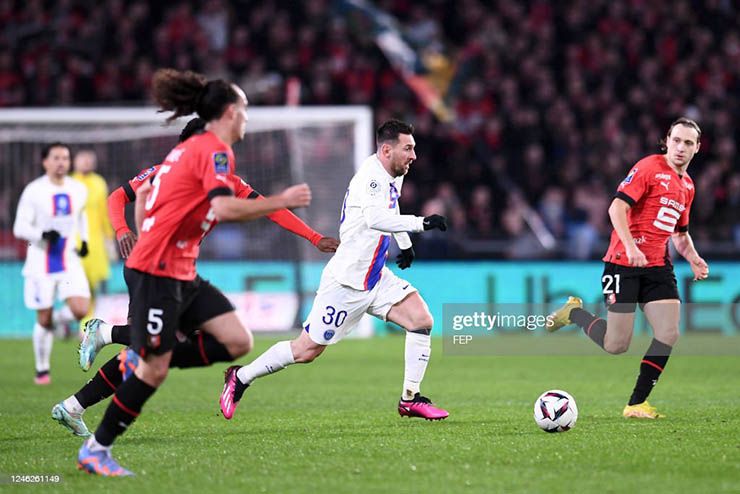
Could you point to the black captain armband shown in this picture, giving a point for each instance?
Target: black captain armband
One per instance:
(682, 229)
(220, 191)
(253, 195)
(621, 195)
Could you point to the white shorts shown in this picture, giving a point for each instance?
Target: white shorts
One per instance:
(338, 308)
(38, 292)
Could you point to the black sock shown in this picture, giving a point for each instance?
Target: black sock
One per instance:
(102, 385)
(650, 369)
(200, 351)
(123, 409)
(121, 334)
(594, 327)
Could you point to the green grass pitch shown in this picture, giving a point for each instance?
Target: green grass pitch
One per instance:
(332, 426)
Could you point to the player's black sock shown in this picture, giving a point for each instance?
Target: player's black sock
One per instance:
(121, 334)
(200, 351)
(594, 327)
(123, 409)
(651, 367)
(102, 385)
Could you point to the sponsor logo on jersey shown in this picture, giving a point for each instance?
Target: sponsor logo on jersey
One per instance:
(640, 240)
(628, 179)
(688, 185)
(141, 177)
(662, 176)
(62, 205)
(373, 187)
(221, 162)
(672, 204)
(665, 184)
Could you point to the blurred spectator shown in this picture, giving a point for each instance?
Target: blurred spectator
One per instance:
(555, 101)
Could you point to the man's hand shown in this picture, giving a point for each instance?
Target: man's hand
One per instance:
(636, 257)
(328, 244)
(405, 258)
(126, 244)
(83, 252)
(51, 236)
(435, 221)
(700, 268)
(297, 196)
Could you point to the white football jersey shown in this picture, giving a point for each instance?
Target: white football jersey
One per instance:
(45, 206)
(370, 214)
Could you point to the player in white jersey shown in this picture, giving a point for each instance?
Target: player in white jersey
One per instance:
(356, 281)
(51, 212)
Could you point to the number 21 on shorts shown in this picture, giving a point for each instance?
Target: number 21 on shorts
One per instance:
(607, 281)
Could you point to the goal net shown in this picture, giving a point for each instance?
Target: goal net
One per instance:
(321, 146)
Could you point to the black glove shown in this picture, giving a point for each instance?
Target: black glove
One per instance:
(405, 258)
(51, 236)
(83, 250)
(435, 221)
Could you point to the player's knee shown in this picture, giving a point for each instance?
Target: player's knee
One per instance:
(306, 354)
(44, 319)
(242, 345)
(423, 321)
(154, 374)
(615, 348)
(80, 311)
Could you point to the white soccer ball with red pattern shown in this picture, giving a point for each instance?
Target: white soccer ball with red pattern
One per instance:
(555, 411)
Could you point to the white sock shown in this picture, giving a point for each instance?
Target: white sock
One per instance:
(416, 355)
(62, 316)
(73, 405)
(43, 339)
(105, 334)
(93, 445)
(277, 357)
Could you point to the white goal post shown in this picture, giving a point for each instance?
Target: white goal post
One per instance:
(322, 146)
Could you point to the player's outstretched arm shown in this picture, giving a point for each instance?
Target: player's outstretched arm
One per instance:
(685, 246)
(618, 216)
(229, 208)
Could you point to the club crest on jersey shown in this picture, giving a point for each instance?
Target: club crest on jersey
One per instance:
(628, 179)
(373, 187)
(221, 162)
(141, 177)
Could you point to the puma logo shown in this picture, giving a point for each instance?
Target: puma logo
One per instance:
(665, 184)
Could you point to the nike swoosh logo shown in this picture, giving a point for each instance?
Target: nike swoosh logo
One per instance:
(405, 287)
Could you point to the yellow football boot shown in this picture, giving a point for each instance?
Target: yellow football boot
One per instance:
(642, 411)
(561, 317)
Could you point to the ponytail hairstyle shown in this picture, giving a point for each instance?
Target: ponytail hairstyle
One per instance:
(183, 93)
(194, 126)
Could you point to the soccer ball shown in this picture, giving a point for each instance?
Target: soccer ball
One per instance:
(555, 411)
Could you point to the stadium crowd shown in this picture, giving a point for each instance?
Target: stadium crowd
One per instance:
(554, 101)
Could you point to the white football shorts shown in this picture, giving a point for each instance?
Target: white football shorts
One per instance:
(38, 292)
(338, 308)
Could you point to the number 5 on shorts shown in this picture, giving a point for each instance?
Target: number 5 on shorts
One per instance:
(154, 326)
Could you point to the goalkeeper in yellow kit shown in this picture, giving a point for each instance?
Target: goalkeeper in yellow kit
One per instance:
(97, 262)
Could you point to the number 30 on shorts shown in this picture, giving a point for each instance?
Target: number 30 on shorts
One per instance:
(607, 281)
(330, 318)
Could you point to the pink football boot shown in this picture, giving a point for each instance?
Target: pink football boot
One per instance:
(421, 407)
(232, 393)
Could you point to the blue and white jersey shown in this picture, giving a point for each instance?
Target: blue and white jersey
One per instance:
(46, 206)
(370, 214)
